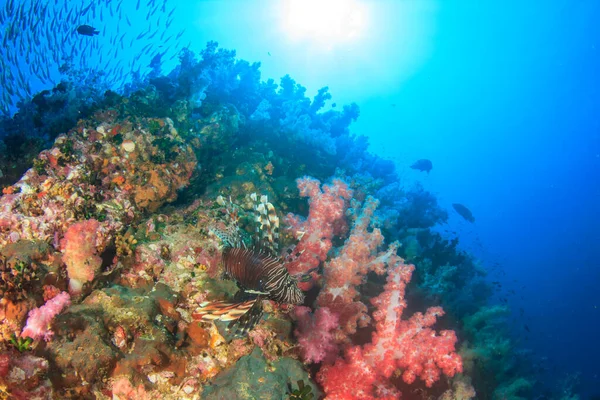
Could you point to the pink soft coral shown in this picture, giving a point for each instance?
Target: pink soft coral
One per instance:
(353, 378)
(80, 254)
(39, 320)
(344, 273)
(122, 389)
(315, 334)
(410, 346)
(325, 219)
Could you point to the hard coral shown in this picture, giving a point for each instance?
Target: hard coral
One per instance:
(76, 181)
(22, 269)
(17, 280)
(23, 376)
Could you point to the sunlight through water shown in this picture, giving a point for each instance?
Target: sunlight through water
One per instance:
(325, 22)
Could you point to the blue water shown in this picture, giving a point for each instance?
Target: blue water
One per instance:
(504, 99)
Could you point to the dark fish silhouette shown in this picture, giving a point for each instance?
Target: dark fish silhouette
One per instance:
(87, 30)
(423, 165)
(464, 212)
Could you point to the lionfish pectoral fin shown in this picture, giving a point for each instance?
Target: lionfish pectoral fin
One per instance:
(222, 311)
(248, 321)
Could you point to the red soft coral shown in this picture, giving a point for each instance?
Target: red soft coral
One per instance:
(410, 345)
(353, 378)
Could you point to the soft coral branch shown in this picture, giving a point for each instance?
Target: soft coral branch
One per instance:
(325, 219)
(344, 273)
(315, 334)
(39, 320)
(409, 346)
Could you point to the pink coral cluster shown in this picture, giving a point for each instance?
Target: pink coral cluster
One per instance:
(39, 320)
(315, 334)
(344, 273)
(80, 254)
(409, 346)
(123, 389)
(325, 219)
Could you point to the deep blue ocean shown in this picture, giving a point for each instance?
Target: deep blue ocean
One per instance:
(502, 97)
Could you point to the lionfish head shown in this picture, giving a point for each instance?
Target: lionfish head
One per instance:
(292, 293)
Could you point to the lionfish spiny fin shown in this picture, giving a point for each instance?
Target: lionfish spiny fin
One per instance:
(267, 228)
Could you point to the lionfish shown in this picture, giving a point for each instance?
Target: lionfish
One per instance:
(258, 271)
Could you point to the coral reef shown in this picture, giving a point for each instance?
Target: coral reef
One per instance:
(118, 218)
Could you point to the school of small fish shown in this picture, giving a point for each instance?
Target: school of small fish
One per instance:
(40, 37)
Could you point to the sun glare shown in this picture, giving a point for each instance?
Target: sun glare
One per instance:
(327, 22)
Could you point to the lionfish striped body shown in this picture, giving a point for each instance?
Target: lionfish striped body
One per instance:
(259, 273)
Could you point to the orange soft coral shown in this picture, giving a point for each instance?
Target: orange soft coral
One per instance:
(80, 254)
